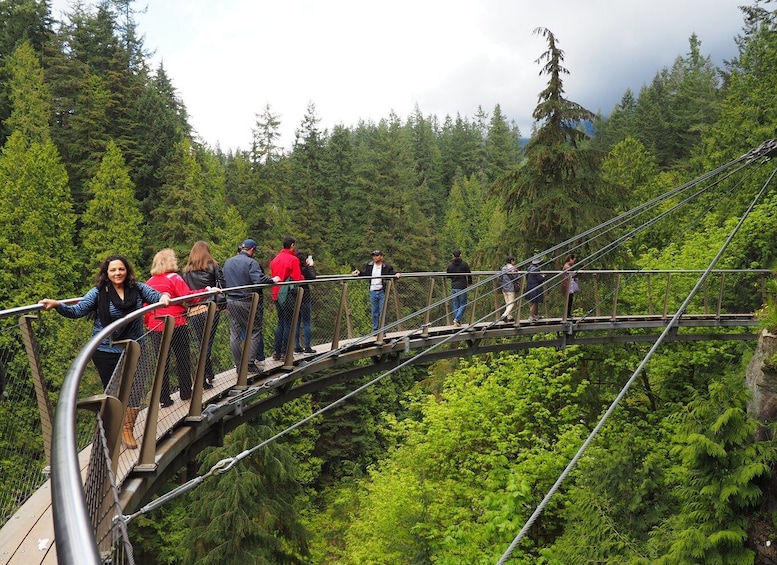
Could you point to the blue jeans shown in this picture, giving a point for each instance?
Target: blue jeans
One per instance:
(376, 306)
(459, 303)
(303, 323)
(283, 327)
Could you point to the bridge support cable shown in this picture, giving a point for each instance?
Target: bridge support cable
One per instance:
(671, 326)
(623, 219)
(742, 162)
(599, 253)
(227, 464)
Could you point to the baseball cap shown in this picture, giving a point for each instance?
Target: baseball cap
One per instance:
(377, 252)
(248, 244)
(536, 261)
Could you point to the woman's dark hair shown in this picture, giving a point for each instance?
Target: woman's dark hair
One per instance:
(570, 257)
(302, 256)
(102, 272)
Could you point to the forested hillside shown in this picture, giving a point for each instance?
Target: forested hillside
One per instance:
(442, 464)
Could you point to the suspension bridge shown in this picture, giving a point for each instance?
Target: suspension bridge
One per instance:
(72, 504)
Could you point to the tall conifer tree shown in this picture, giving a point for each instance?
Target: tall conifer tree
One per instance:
(553, 195)
(36, 213)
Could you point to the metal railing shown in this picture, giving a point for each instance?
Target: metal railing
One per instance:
(177, 360)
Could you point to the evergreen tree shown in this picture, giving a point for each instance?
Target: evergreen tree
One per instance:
(502, 146)
(428, 165)
(164, 120)
(717, 478)
(249, 515)
(554, 194)
(337, 165)
(20, 21)
(112, 222)
(618, 126)
(181, 217)
(462, 150)
(266, 133)
(35, 206)
(309, 200)
(463, 226)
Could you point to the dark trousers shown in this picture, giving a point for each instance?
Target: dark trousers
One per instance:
(303, 324)
(238, 322)
(105, 362)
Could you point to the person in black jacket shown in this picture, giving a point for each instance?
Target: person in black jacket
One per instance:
(203, 271)
(376, 269)
(308, 267)
(459, 282)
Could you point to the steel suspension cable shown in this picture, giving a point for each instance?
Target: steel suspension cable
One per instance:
(670, 326)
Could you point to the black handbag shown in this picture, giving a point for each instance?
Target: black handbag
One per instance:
(221, 298)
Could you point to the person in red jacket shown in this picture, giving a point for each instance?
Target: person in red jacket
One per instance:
(165, 278)
(286, 266)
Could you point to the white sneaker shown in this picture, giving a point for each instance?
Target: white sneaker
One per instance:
(456, 324)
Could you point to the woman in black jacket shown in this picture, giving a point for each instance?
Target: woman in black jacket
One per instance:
(203, 271)
(308, 268)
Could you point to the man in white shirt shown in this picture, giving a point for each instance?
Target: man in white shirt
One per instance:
(376, 269)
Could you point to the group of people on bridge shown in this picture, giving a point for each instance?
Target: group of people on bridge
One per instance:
(117, 293)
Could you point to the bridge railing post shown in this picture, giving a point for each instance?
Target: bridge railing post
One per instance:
(288, 355)
(146, 458)
(650, 293)
(41, 390)
(615, 295)
(245, 352)
(428, 313)
(341, 310)
(203, 358)
(382, 320)
(666, 295)
(472, 304)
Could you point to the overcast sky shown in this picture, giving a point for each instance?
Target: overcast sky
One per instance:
(361, 59)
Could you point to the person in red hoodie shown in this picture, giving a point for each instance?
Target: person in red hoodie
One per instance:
(165, 278)
(286, 266)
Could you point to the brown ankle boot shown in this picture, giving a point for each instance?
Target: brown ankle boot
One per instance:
(127, 432)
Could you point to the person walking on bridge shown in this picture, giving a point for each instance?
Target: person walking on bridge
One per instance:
(376, 269)
(460, 280)
(534, 295)
(243, 270)
(508, 277)
(569, 285)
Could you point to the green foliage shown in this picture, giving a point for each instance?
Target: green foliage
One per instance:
(112, 222)
(28, 96)
(555, 193)
(35, 218)
(717, 477)
(471, 465)
(248, 515)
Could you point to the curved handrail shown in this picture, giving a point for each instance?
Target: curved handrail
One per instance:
(73, 529)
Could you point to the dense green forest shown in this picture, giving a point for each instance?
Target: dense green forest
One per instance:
(443, 463)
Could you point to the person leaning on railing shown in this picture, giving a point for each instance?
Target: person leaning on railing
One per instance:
(116, 294)
(165, 278)
(202, 271)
